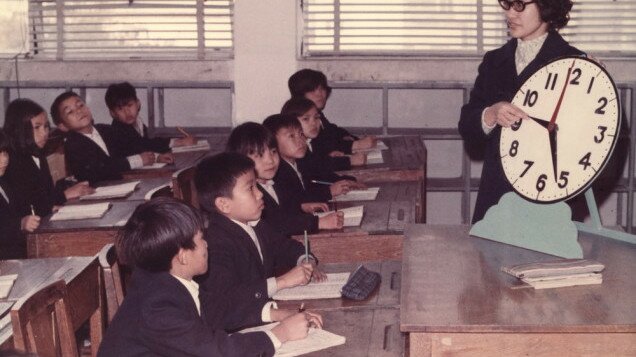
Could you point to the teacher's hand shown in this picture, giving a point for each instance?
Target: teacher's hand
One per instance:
(504, 114)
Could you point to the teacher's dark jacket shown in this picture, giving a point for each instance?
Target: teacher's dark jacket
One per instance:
(497, 81)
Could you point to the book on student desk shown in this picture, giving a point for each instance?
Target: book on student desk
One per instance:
(368, 194)
(316, 340)
(112, 191)
(6, 283)
(547, 282)
(352, 215)
(379, 145)
(156, 165)
(329, 289)
(560, 273)
(375, 157)
(95, 210)
(199, 146)
(150, 193)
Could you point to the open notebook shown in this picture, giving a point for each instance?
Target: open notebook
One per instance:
(95, 210)
(375, 157)
(368, 194)
(329, 289)
(201, 145)
(316, 340)
(113, 191)
(352, 215)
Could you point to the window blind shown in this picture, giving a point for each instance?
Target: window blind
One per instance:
(103, 29)
(450, 27)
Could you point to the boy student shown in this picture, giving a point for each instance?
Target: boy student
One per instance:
(124, 106)
(245, 253)
(332, 139)
(293, 185)
(13, 218)
(162, 314)
(91, 149)
(257, 143)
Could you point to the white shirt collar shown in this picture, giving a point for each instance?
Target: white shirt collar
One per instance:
(527, 51)
(295, 167)
(97, 139)
(250, 232)
(36, 160)
(193, 289)
(269, 187)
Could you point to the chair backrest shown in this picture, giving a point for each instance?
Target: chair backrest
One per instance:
(183, 186)
(113, 279)
(42, 323)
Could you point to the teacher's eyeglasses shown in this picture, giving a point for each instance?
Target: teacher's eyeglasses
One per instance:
(517, 5)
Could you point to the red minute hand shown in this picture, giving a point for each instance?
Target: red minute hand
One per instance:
(558, 106)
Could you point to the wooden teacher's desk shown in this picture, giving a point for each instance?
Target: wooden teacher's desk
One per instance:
(455, 299)
(81, 275)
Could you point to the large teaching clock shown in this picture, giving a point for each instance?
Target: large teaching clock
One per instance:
(574, 126)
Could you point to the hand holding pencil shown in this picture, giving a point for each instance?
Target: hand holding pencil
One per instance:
(186, 140)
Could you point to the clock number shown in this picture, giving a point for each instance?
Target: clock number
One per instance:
(531, 98)
(516, 125)
(563, 179)
(602, 133)
(513, 148)
(541, 182)
(577, 74)
(601, 108)
(528, 164)
(585, 161)
(589, 88)
(551, 82)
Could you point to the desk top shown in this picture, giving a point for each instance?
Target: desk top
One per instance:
(380, 217)
(404, 153)
(452, 282)
(114, 218)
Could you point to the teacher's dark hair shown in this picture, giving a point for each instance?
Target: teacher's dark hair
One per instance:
(555, 12)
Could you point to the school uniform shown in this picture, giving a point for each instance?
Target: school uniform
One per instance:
(498, 81)
(30, 178)
(315, 166)
(293, 190)
(133, 140)
(159, 317)
(89, 162)
(286, 220)
(331, 138)
(239, 269)
(12, 241)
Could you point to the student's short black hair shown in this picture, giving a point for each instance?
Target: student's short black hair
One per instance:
(55, 107)
(156, 231)
(555, 12)
(250, 138)
(18, 127)
(307, 80)
(276, 122)
(119, 94)
(4, 142)
(297, 106)
(216, 177)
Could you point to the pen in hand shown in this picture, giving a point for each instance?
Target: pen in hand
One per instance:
(32, 211)
(322, 182)
(302, 307)
(183, 132)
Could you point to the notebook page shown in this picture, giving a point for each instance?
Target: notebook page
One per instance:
(369, 194)
(112, 191)
(95, 210)
(328, 289)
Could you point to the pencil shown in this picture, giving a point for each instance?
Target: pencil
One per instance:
(322, 182)
(183, 132)
(302, 307)
(306, 248)
(32, 211)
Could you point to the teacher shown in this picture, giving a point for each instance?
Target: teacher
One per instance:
(533, 26)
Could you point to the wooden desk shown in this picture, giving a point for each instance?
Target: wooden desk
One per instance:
(455, 299)
(84, 237)
(400, 191)
(82, 277)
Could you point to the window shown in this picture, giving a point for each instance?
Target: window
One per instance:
(102, 29)
(450, 27)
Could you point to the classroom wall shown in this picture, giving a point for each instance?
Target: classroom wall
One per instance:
(266, 53)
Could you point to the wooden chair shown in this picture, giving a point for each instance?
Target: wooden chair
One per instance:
(113, 280)
(42, 323)
(183, 186)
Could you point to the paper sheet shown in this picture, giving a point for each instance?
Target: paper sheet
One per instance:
(369, 194)
(113, 191)
(375, 157)
(352, 215)
(151, 192)
(95, 210)
(329, 289)
(316, 340)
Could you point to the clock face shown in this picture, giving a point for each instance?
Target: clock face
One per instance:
(574, 126)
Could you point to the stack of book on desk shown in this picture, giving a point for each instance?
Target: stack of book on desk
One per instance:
(566, 272)
(112, 191)
(96, 210)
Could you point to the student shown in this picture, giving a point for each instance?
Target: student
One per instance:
(124, 106)
(315, 165)
(91, 149)
(13, 220)
(249, 261)
(535, 41)
(294, 187)
(257, 143)
(29, 174)
(162, 313)
(332, 139)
